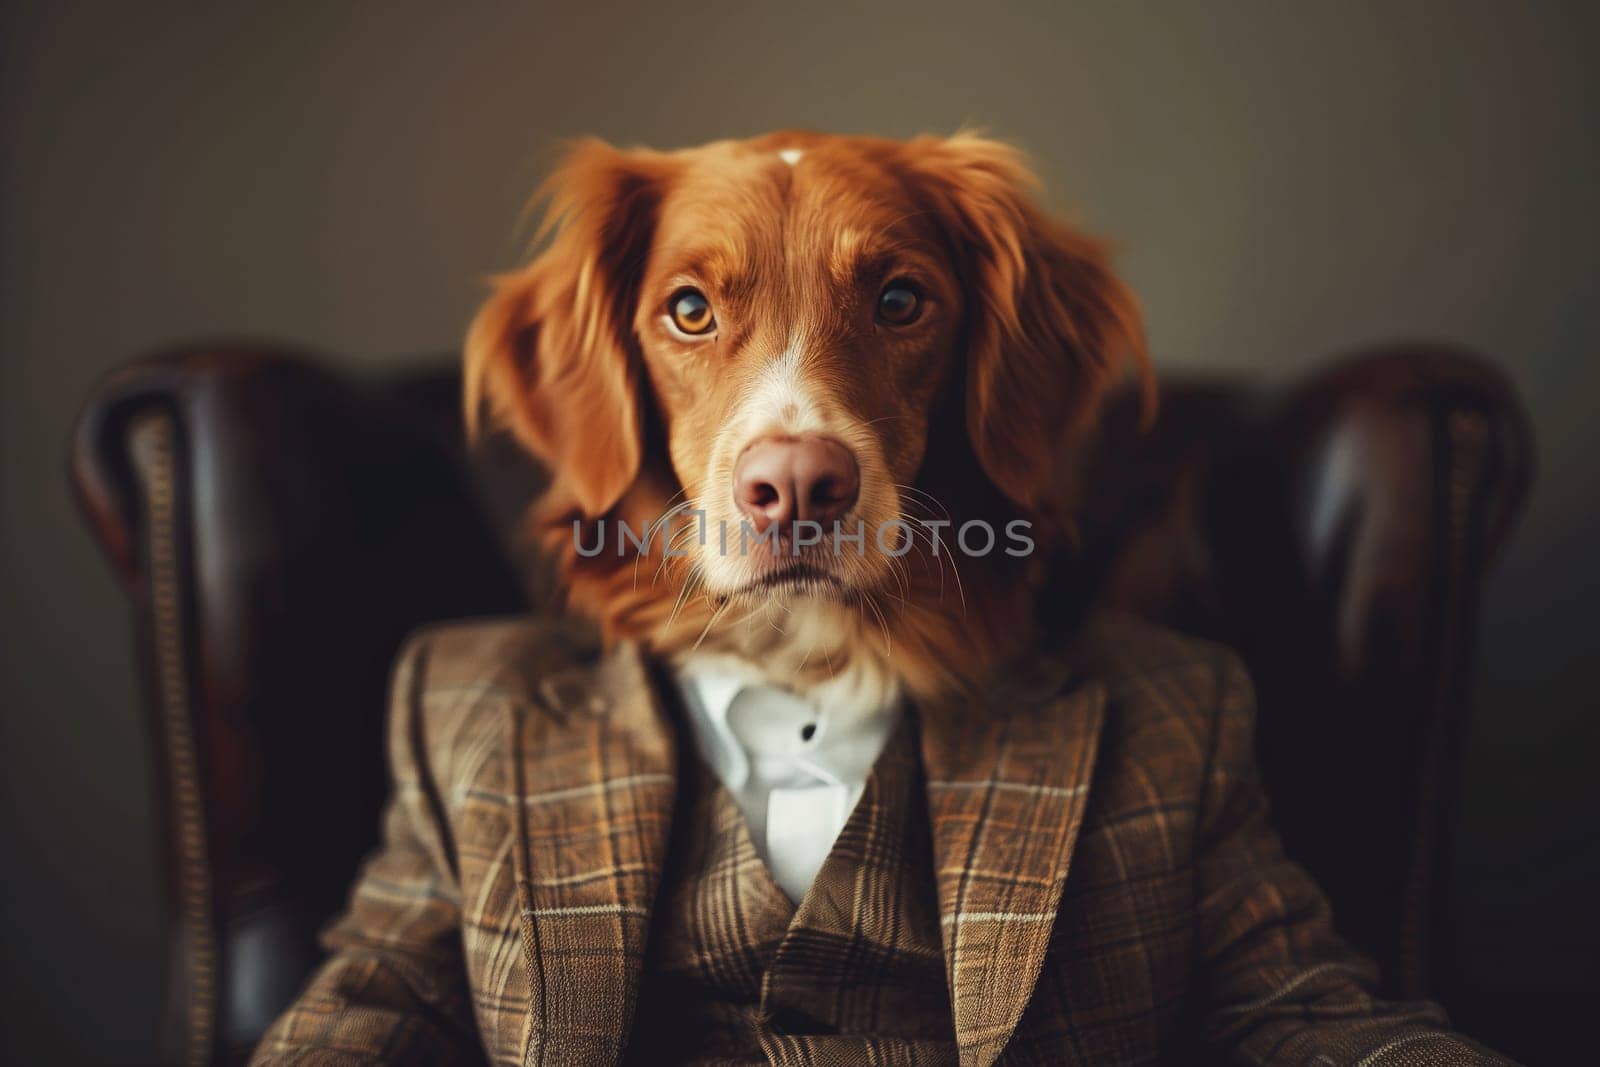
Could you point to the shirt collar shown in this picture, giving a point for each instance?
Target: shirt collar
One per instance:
(709, 685)
(850, 733)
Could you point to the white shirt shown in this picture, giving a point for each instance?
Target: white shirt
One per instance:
(796, 770)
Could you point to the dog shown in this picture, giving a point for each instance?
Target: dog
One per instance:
(921, 829)
(804, 328)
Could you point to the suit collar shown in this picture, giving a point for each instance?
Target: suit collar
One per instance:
(1008, 781)
(596, 778)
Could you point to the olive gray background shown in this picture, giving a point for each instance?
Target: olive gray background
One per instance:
(1283, 180)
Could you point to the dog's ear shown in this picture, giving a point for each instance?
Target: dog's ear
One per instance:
(1049, 326)
(551, 355)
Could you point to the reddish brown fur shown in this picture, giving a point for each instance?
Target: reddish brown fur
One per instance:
(977, 406)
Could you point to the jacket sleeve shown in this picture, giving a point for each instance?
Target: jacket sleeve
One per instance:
(1279, 986)
(394, 989)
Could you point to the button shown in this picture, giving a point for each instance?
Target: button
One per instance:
(768, 722)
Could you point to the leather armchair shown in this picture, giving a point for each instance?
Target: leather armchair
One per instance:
(279, 529)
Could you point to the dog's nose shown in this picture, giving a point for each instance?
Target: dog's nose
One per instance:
(788, 479)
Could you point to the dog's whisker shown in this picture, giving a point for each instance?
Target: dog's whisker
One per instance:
(883, 623)
(941, 551)
(650, 530)
(672, 543)
(682, 598)
(925, 498)
(716, 614)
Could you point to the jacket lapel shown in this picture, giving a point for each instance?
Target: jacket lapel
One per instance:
(595, 772)
(1008, 782)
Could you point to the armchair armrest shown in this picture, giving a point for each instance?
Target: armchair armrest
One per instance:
(279, 530)
(1337, 534)
(1354, 594)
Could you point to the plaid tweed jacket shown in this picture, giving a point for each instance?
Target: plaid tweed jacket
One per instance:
(1108, 885)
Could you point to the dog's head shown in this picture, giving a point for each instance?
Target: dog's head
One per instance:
(793, 320)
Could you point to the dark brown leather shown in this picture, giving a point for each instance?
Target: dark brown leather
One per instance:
(279, 529)
(1337, 535)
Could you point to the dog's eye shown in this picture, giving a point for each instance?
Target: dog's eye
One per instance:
(691, 311)
(899, 304)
